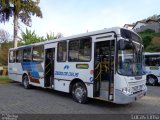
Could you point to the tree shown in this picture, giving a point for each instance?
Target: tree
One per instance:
(4, 36)
(4, 52)
(50, 36)
(59, 35)
(30, 37)
(147, 36)
(19, 9)
(151, 40)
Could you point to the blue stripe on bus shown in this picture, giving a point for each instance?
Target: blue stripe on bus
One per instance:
(35, 74)
(33, 68)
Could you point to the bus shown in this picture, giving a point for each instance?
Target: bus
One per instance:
(105, 64)
(152, 67)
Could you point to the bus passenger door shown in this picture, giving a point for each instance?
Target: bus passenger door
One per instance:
(104, 69)
(49, 67)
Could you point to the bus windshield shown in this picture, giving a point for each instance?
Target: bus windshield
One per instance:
(129, 58)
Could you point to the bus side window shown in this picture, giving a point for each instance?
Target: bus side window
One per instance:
(62, 51)
(19, 56)
(12, 56)
(80, 50)
(27, 55)
(38, 53)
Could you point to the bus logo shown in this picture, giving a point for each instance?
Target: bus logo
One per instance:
(66, 67)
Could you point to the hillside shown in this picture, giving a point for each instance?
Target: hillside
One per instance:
(151, 40)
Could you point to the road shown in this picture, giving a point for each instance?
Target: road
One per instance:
(14, 99)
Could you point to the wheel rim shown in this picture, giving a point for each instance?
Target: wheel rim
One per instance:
(151, 80)
(79, 93)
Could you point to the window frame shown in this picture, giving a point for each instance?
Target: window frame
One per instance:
(30, 60)
(17, 55)
(14, 56)
(66, 51)
(43, 53)
(150, 59)
(80, 39)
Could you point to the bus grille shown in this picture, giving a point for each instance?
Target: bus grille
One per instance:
(137, 83)
(137, 88)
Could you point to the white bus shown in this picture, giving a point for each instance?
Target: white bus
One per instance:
(104, 64)
(152, 67)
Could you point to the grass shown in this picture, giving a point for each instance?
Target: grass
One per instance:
(4, 79)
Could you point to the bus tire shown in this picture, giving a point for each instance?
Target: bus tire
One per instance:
(79, 92)
(26, 82)
(151, 80)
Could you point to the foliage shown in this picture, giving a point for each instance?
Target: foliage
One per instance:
(4, 52)
(4, 80)
(30, 37)
(19, 9)
(147, 40)
(4, 36)
(50, 36)
(151, 40)
(153, 47)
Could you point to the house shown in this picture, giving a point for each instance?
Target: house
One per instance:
(139, 24)
(128, 26)
(148, 24)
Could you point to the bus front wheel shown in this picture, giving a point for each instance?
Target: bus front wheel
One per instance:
(151, 80)
(26, 82)
(79, 92)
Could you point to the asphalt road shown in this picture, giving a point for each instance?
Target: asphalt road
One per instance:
(14, 99)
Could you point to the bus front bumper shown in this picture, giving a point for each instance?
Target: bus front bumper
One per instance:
(121, 98)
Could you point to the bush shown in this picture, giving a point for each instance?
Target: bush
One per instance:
(146, 40)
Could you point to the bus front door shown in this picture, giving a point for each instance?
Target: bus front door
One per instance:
(49, 67)
(104, 69)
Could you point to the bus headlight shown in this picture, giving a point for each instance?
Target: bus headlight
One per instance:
(127, 91)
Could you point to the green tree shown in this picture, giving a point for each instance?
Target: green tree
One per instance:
(151, 40)
(4, 46)
(153, 47)
(147, 36)
(50, 36)
(4, 52)
(30, 37)
(19, 9)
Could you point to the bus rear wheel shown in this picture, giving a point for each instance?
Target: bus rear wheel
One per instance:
(79, 92)
(26, 82)
(151, 80)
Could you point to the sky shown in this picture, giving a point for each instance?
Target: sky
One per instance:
(71, 17)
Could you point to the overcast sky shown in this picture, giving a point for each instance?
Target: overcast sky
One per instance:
(77, 16)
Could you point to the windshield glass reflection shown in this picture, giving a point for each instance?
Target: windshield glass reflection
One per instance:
(129, 58)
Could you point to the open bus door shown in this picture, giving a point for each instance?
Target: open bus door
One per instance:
(104, 69)
(49, 67)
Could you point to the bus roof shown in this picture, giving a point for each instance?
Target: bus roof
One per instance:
(87, 34)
